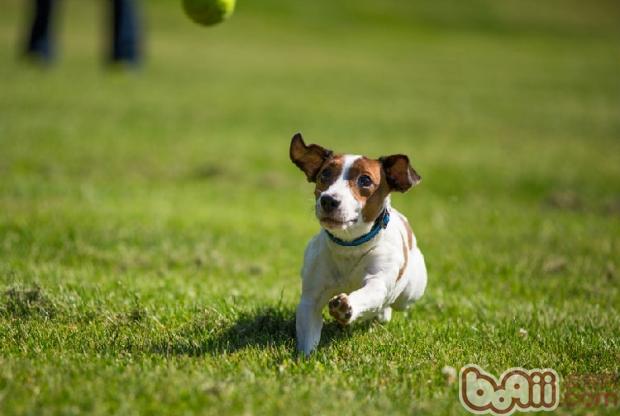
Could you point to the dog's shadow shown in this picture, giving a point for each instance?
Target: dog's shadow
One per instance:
(270, 327)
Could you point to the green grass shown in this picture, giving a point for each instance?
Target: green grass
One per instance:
(152, 226)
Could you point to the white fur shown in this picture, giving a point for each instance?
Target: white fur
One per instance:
(367, 273)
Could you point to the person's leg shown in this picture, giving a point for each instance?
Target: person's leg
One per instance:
(125, 32)
(40, 44)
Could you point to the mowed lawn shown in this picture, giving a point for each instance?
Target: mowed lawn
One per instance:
(152, 226)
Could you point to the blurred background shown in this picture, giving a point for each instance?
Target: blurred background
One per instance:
(170, 182)
(448, 79)
(496, 102)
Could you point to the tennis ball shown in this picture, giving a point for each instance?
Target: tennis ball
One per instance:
(208, 12)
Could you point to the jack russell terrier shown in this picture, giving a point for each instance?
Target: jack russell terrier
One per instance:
(365, 262)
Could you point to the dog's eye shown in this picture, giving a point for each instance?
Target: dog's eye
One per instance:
(364, 181)
(326, 174)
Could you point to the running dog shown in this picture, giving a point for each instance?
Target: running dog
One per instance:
(365, 261)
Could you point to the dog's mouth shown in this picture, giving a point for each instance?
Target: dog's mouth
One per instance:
(333, 223)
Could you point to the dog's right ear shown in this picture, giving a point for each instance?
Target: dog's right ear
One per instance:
(308, 158)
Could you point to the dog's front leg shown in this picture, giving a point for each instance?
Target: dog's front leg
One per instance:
(308, 322)
(364, 303)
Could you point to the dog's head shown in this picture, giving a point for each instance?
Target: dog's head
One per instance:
(351, 191)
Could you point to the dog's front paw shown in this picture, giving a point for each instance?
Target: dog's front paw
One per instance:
(340, 309)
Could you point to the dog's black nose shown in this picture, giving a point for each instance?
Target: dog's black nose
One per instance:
(329, 203)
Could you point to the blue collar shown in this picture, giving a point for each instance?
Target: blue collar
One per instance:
(380, 223)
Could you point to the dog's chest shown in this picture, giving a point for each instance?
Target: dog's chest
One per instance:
(349, 266)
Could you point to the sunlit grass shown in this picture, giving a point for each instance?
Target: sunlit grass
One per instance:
(152, 226)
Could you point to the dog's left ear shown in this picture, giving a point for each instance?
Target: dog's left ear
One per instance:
(400, 175)
(308, 158)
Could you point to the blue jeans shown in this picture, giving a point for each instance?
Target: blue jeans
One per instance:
(125, 33)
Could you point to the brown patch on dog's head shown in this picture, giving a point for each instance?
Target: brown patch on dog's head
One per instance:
(310, 158)
(369, 186)
(392, 173)
(328, 173)
(400, 175)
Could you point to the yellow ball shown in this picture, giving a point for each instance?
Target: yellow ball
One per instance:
(208, 12)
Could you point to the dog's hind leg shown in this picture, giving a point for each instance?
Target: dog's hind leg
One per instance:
(416, 282)
(385, 315)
